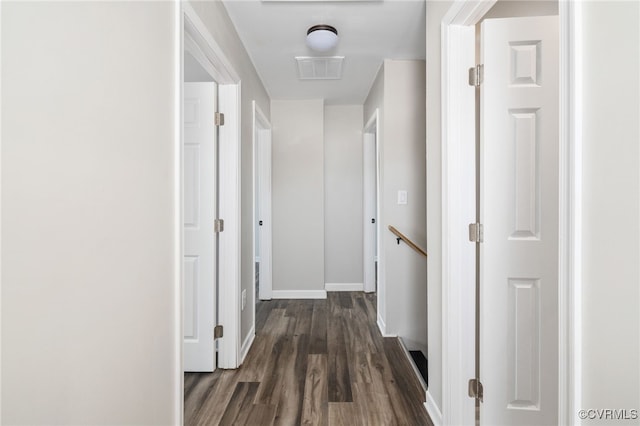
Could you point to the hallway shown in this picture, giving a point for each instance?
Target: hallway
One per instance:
(313, 362)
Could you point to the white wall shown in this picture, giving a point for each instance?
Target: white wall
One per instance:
(404, 169)
(611, 206)
(88, 249)
(399, 89)
(343, 214)
(216, 18)
(298, 197)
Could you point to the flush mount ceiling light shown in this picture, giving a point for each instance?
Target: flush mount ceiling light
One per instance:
(322, 37)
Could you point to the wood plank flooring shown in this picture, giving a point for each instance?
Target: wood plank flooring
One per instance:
(313, 362)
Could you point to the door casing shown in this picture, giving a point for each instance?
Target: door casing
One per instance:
(262, 136)
(458, 194)
(196, 39)
(371, 130)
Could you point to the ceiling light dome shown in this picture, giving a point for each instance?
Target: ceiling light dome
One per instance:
(322, 37)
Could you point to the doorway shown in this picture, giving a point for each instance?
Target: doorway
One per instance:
(203, 63)
(262, 204)
(200, 202)
(533, 315)
(371, 184)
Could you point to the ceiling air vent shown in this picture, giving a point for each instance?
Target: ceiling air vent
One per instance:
(316, 68)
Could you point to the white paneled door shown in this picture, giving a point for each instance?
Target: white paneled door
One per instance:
(519, 209)
(199, 191)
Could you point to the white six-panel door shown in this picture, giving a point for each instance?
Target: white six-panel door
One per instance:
(519, 210)
(199, 164)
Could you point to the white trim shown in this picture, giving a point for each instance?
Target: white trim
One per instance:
(201, 42)
(248, 341)
(229, 241)
(178, 221)
(197, 31)
(299, 294)
(344, 286)
(458, 209)
(433, 410)
(413, 365)
(372, 120)
(382, 326)
(570, 224)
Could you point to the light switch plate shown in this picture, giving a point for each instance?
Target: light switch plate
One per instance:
(402, 197)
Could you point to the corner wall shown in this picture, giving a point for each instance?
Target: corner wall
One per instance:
(399, 93)
(404, 169)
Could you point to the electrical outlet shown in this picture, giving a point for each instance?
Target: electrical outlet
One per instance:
(244, 298)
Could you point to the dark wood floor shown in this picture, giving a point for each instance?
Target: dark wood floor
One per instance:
(315, 362)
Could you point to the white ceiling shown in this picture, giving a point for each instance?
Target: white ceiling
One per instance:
(274, 33)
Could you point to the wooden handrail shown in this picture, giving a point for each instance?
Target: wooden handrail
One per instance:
(404, 238)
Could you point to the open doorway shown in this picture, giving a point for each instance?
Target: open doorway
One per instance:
(507, 338)
(262, 203)
(199, 203)
(371, 181)
(209, 202)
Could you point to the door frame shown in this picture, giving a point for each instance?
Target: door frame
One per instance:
(373, 127)
(261, 124)
(201, 44)
(458, 190)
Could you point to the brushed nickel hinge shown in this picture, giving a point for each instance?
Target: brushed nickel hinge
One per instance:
(218, 332)
(218, 225)
(476, 232)
(475, 389)
(476, 75)
(219, 119)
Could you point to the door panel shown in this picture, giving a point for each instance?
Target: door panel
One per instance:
(199, 198)
(519, 209)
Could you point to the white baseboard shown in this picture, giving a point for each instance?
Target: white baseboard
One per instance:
(433, 411)
(344, 287)
(299, 294)
(246, 345)
(383, 328)
(413, 365)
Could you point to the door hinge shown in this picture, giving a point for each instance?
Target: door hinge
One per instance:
(218, 225)
(218, 332)
(476, 232)
(475, 389)
(219, 119)
(476, 75)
